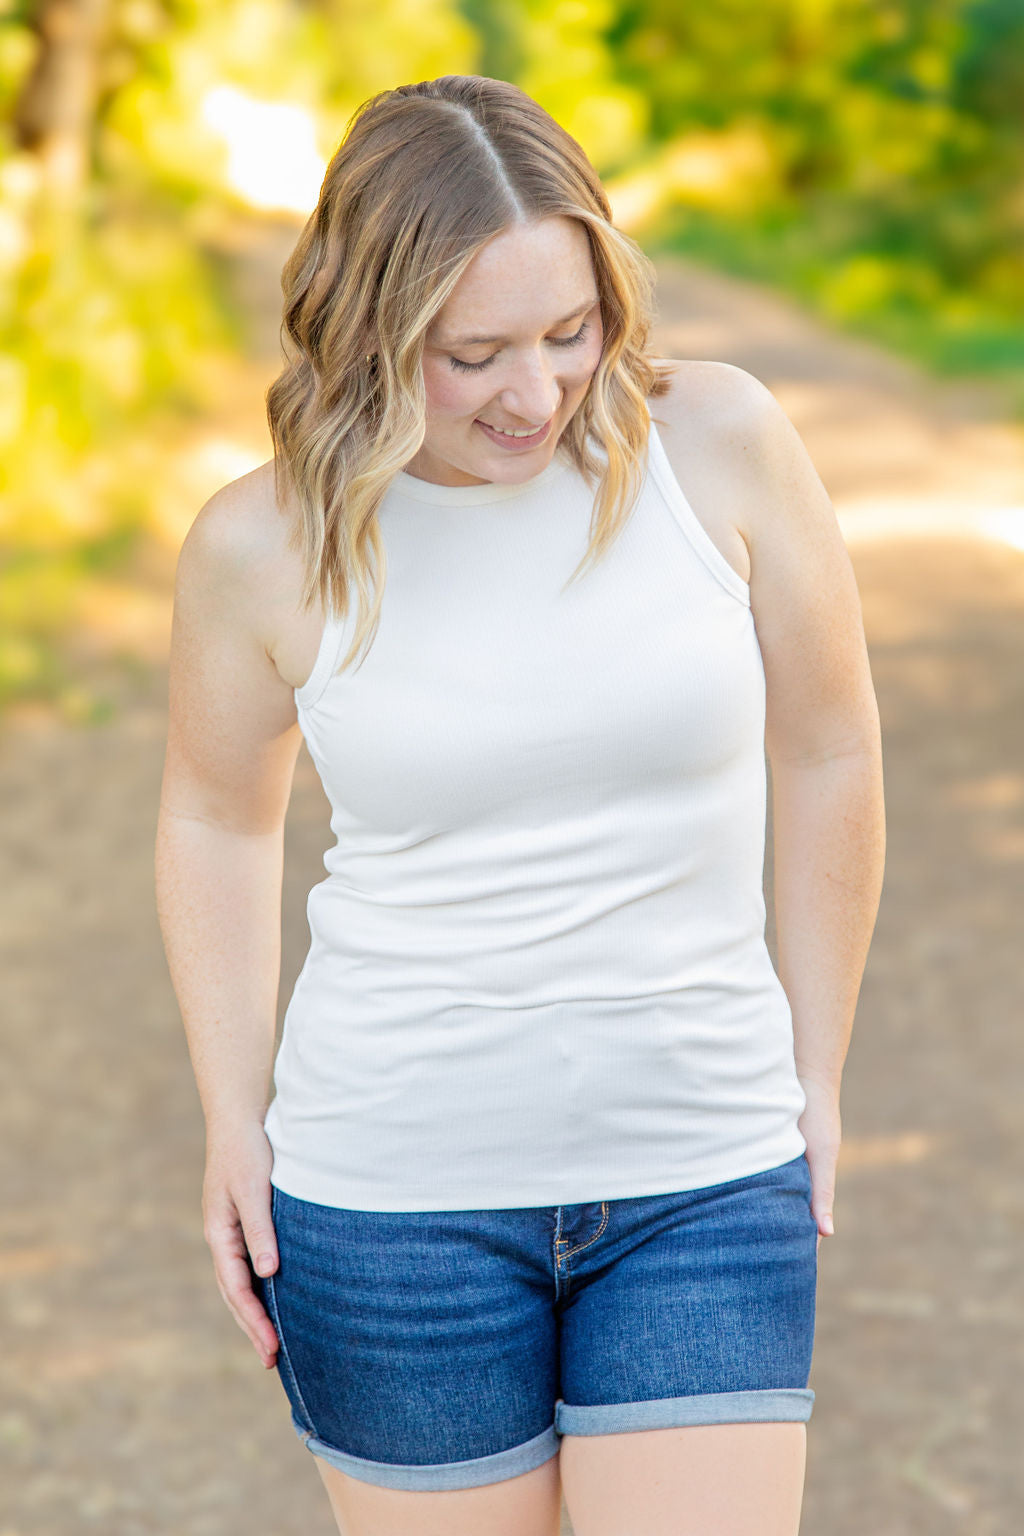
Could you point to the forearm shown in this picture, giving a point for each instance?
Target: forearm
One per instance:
(219, 906)
(829, 855)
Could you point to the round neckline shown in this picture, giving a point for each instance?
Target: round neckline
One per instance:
(473, 495)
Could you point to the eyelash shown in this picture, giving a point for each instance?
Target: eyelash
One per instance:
(556, 341)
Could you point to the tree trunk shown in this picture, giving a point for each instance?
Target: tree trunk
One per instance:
(54, 112)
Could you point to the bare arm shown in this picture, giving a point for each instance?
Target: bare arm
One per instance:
(824, 747)
(232, 744)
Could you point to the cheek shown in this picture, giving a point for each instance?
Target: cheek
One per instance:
(452, 394)
(584, 365)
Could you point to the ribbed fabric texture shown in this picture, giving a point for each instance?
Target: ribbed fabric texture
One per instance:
(538, 972)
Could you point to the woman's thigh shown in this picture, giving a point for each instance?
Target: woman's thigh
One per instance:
(726, 1479)
(528, 1505)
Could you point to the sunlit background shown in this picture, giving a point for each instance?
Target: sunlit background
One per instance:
(833, 191)
(865, 157)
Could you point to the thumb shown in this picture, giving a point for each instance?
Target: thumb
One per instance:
(258, 1231)
(821, 1208)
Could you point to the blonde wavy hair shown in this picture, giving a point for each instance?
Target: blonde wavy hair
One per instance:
(424, 177)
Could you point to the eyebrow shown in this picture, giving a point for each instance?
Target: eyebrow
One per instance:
(480, 341)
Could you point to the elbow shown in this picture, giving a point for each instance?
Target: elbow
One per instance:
(814, 740)
(862, 746)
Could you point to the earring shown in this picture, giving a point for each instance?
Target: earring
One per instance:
(369, 357)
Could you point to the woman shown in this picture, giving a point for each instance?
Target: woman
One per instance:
(537, 1203)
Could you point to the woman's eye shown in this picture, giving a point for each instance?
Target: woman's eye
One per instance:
(470, 367)
(570, 341)
(556, 341)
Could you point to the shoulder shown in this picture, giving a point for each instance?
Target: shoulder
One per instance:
(241, 523)
(712, 418)
(231, 714)
(237, 548)
(725, 427)
(726, 405)
(750, 466)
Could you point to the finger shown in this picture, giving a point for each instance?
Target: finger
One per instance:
(237, 1282)
(252, 1311)
(260, 1335)
(822, 1196)
(234, 1278)
(826, 1226)
(255, 1324)
(268, 1358)
(258, 1231)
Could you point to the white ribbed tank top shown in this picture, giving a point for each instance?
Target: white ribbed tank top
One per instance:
(538, 972)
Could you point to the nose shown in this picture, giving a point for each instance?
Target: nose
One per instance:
(533, 394)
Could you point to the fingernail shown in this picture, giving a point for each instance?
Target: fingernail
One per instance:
(264, 1264)
(829, 1228)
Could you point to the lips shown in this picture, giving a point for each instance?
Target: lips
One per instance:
(519, 431)
(513, 444)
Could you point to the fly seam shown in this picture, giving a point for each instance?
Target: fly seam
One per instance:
(559, 1240)
(597, 1234)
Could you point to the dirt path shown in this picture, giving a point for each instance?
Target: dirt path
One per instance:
(130, 1403)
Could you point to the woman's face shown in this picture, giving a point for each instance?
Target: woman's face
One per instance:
(514, 347)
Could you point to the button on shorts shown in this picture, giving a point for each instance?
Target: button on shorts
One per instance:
(448, 1349)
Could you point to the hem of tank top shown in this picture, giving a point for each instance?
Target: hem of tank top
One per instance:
(327, 1191)
(324, 665)
(699, 538)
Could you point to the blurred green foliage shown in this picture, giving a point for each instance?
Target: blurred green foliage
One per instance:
(116, 292)
(892, 193)
(866, 154)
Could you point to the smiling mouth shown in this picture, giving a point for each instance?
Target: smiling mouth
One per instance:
(513, 431)
(513, 435)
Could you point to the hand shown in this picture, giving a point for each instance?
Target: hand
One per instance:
(821, 1127)
(237, 1224)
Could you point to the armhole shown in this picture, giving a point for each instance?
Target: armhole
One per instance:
(702, 542)
(323, 667)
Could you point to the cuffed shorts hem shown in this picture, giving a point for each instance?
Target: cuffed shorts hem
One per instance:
(771, 1405)
(448, 1474)
(767, 1405)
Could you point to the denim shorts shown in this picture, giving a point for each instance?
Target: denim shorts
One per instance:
(448, 1349)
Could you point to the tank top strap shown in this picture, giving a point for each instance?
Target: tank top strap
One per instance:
(700, 540)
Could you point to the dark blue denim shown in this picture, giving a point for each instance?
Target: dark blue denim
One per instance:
(447, 1349)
